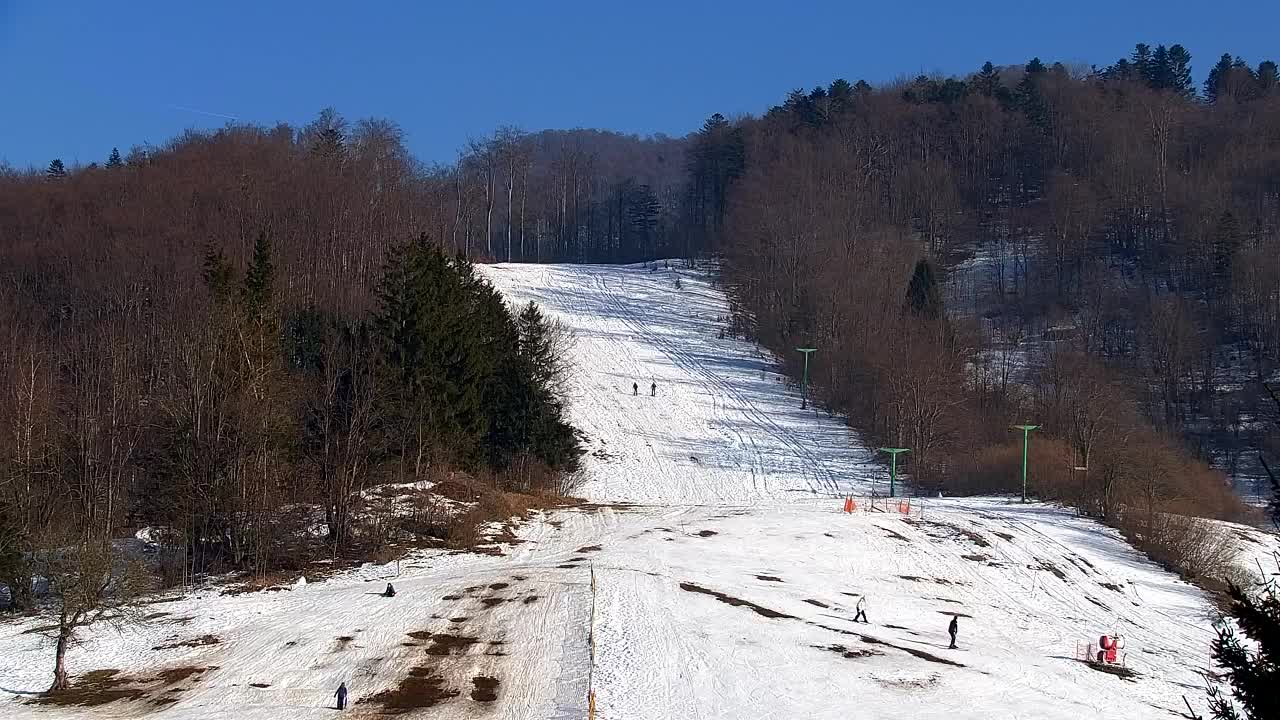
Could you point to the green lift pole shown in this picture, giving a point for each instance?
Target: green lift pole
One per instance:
(1026, 439)
(804, 382)
(893, 466)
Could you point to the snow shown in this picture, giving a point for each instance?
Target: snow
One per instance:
(725, 573)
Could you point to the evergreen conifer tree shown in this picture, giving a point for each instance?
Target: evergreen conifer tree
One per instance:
(114, 161)
(56, 170)
(1253, 671)
(1217, 75)
(988, 81)
(924, 296)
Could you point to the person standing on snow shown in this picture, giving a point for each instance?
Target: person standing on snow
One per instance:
(653, 389)
(342, 696)
(635, 388)
(953, 628)
(862, 610)
(390, 591)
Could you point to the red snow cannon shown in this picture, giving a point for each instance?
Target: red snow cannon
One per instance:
(1108, 650)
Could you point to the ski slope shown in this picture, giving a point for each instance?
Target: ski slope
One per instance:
(725, 575)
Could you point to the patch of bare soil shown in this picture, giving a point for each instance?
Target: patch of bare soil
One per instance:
(769, 578)
(444, 643)
(101, 687)
(976, 557)
(588, 548)
(1046, 565)
(343, 642)
(493, 601)
(93, 689)
(736, 602)
(1119, 671)
(707, 533)
(194, 642)
(486, 688)
(421, 689)
(818, 603)
(530, 600)
(500, 586)
(260, 685)
(847, 653)
(173, 676)
(1113, 587)
(451, 597)
(896, 535)
(1003, 536)
(459, 619)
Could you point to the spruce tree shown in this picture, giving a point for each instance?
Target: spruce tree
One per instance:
(987, 83)
(1179, 71)
(924, 296)
(1217, 75)
(1268, 78)
(1253, 671)
(56, 170)
(1030, 99)
(259, 280)
(114, 161)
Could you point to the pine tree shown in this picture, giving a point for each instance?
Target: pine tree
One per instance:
(1268, 79)
(1030, 99)
(1159, 74)
(114, 161)
(1179, 71)
(988, 81)
(1217, 76)
(218, 274)
(1254, 674)
(924, 296)
(1141, 63)
(259, 281)
(56, 170)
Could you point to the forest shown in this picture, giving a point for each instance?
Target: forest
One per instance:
(1095, 251)
(228, 332)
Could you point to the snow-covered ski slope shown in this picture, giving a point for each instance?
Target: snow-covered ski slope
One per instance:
(721, 427)
(725, 584)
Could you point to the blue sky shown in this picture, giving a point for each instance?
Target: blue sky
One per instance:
(78, 77)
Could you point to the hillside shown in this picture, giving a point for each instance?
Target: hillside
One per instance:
(725, 575)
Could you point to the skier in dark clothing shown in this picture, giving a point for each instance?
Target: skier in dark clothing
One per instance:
(653, 389)
(862, 610)
(635, 388)
(953, 628)
(342, 696)
(390, 591)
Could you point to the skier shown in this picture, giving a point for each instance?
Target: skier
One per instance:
(390, 591)
(635, 388)
(342, 696)
(953, 628)
(653, 389)
(862, 610)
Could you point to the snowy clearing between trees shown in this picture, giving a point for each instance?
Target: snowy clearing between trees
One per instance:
(726, 576)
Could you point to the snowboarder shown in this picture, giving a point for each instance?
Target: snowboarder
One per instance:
(390, 591)
(342, 696)
(653, 389)
(635, 388)
(862, 610)
(953, 628)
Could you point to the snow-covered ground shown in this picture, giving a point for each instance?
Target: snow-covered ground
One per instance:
(725, 574)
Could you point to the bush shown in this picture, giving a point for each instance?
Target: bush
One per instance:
(1201, 551)
(998, 469)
